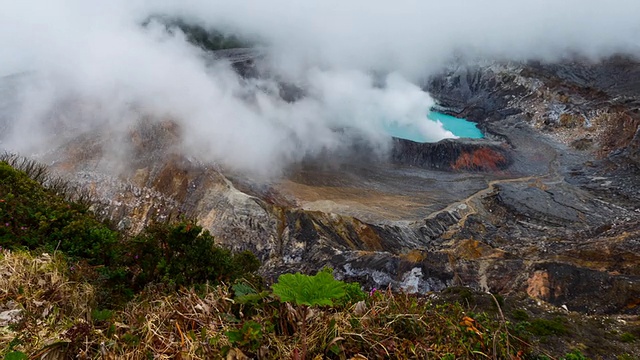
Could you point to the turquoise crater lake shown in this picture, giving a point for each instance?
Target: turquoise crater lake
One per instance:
(459, 127)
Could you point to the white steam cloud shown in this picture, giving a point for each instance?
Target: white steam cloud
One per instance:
(91, 66)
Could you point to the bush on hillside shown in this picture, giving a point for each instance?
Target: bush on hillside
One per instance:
(184, 255)
(33, 217)
(180, 254)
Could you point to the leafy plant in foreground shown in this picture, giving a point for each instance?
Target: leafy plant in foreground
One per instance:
(320, 289)
(16, 355)
(305, 291)
(248, 336)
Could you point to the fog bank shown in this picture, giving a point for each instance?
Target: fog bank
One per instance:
(90, 66)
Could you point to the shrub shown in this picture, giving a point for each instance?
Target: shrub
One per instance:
(184, 255)
(353, 294)
(208, 39)
(520, 315)
(247, 336)
(544, 327)
(33, 217)
(627, 337)
(574, 355)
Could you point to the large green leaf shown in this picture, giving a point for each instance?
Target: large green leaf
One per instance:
(300, 289)
(16, 355)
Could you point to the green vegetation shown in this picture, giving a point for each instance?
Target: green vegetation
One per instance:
(545, 327)
(36, 218)
(574, 355)
(305, 290)
(520, 315)
(627, 337)
(210, 39)
(249, 336)
(16, 355)
(172, 255)
(184, 255)
(206, 38)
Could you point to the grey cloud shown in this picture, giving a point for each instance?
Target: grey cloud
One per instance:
(97, 56)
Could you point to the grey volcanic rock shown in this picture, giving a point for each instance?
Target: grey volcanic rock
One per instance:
(633, 150)
(376, 269)
(613, 77)
(477, 93)
(581, 289)
(437, 225)
(560, 206)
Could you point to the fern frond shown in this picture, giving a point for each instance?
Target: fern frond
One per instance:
(320, 289)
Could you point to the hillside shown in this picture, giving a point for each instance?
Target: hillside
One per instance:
(66, 302)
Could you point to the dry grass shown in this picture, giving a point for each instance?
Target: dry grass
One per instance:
(58, 320)
(44, 302)
(54, 316)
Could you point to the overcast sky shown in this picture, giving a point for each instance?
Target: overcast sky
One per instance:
(92, 64)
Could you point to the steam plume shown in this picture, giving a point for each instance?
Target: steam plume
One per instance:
(93, 65)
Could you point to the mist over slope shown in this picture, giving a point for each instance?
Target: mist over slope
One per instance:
(93, 66)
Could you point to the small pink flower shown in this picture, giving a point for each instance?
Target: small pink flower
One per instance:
(373, 291)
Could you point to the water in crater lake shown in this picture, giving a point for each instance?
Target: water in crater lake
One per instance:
(459, 127)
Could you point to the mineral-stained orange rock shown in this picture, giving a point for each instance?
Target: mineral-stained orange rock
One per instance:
(415, 256)
(484, 159)
(538, 285)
